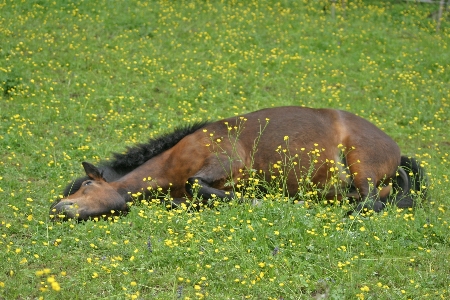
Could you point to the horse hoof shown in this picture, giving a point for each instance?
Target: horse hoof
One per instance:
(256, 202)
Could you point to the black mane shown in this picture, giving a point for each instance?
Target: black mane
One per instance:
(123, 163)
(139, 154)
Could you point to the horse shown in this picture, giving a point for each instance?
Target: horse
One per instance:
(339, 154)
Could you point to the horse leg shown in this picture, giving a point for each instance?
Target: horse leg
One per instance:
(375, 205)
(209, 180)
(175, 203)
(377, 199)
(369, 195)
(205, 191)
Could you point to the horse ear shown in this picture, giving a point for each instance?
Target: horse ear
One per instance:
(93, 172)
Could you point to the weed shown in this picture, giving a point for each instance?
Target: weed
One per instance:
(83, 79)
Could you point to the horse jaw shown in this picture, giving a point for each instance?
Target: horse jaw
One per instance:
(97, 201)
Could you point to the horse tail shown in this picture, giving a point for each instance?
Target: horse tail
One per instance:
(410, 183)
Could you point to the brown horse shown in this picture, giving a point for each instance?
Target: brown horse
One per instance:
(336, 152)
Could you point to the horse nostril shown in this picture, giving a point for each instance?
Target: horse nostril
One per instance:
(62, 205)
(64, 209)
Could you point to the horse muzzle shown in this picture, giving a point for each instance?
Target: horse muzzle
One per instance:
(63, 211)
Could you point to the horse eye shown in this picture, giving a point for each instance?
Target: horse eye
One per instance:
(88, 182)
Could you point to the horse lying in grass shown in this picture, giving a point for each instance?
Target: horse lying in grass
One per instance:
(344, 157)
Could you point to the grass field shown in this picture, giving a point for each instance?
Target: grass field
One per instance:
(82, 79)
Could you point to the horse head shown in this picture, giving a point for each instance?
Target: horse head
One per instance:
(94, 198)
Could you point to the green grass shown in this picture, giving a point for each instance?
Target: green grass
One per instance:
(82, 79)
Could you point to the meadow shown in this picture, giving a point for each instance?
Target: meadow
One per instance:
(82, 79)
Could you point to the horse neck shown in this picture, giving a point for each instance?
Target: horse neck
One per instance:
(146, 177)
